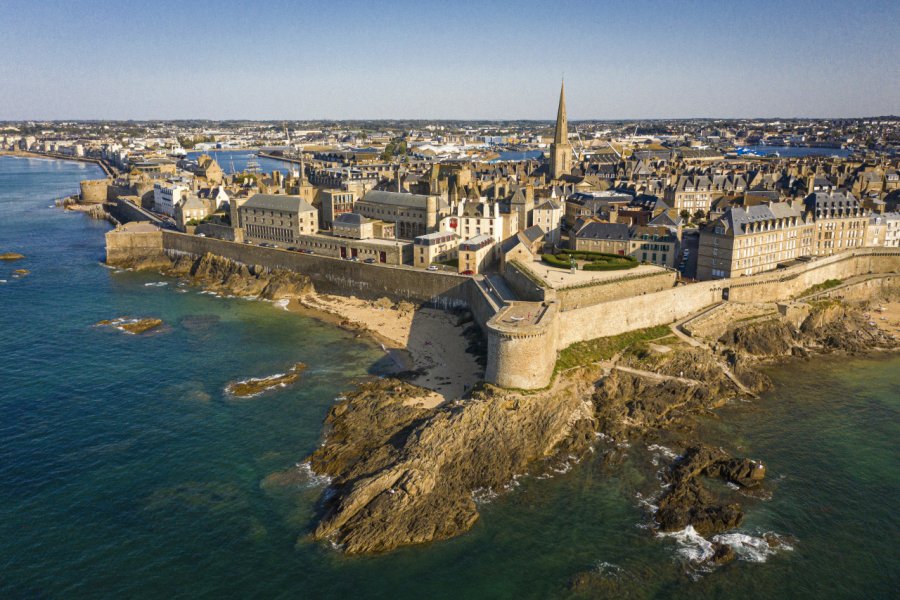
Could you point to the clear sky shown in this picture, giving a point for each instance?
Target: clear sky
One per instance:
(447, 59)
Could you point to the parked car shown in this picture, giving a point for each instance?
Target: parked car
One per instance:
(432, 267)
(369, 261)
(468, 272)
(293, 248)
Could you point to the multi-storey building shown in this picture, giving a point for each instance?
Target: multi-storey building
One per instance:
(745, 241)
(548, 216)
(167, 195)
(439, 246)
(413, 214)
(334, 203)
(477, 254)
(840, 222)
(277, 219)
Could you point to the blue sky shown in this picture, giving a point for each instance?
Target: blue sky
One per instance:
(487, 59)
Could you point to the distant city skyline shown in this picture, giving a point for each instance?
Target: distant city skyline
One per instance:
(463, 60)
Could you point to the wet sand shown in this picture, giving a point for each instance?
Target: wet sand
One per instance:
(419, 339)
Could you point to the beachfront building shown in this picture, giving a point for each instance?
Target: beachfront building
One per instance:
(390, 252)
(277, 219)
(746, 241)
(436, 247)
(413, 214)
(477, 254)
(167, 195)
(884, 231)
(478, 217)
(840, 222)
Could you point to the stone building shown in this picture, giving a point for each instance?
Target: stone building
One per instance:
(277, 219)
(477, 254)
(333, 203)
(840, 222)
(561, 158)
(746, 241)
(413, 214)
(168, 195)
(356, 226)
(439, 246)
(548, 216)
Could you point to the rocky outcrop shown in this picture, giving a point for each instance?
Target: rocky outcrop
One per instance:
(830, 326)
(689, 502)
(223, 275)
(10, 256)
(130, 325)
(405, 475)
(257, 385)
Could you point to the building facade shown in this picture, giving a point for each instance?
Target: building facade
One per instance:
(277, 219)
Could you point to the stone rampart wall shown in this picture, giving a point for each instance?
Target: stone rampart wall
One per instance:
(125, 247)
(624, 287)
(335, 276)
(522, 284)
(523, 359)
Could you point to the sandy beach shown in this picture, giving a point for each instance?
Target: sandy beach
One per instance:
(886, 316)
(420, 339)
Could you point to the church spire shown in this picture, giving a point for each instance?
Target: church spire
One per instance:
(562, 124)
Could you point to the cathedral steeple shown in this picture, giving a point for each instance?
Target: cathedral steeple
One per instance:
(562, 124)
(560, 149)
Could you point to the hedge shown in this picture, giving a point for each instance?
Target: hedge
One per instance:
(599, 261)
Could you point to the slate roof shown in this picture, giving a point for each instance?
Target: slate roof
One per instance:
(281, 202)
(603, 231)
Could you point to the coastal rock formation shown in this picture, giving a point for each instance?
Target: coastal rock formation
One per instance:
(222, 275)
(129, 325)
(404, 475)
(21, 272)
(689, 502)
(10, 256)
(257, 385)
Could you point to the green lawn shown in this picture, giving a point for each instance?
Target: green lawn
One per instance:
(584, 353)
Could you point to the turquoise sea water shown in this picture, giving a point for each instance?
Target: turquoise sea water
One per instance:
(125, 471)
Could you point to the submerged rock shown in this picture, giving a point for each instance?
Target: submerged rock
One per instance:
(10, 256)
(129, 325)
(255, 386)
(21, 272)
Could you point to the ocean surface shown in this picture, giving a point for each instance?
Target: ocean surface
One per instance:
(796, 151)
(126, 471)
(235, 161)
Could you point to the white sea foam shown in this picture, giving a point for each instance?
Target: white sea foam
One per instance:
(483, 495)
(157, 284)
(695, 549)
(2, 281)
(608, 569)
(283, 303)
(648, 502)
(668, 453)
(312, 479)
(751, 548)
(692, 546)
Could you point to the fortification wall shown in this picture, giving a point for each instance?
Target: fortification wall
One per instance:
(127, 212)
(618, 316)
(868, 289)
(788, 283)
(522, 358)
(522, 284)
(94, 191)
(123, 247)
(624, 287)
(335, 276)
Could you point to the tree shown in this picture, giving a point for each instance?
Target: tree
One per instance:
(685, 214)
(699, 216)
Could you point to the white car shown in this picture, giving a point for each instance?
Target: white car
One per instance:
(432, 267)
